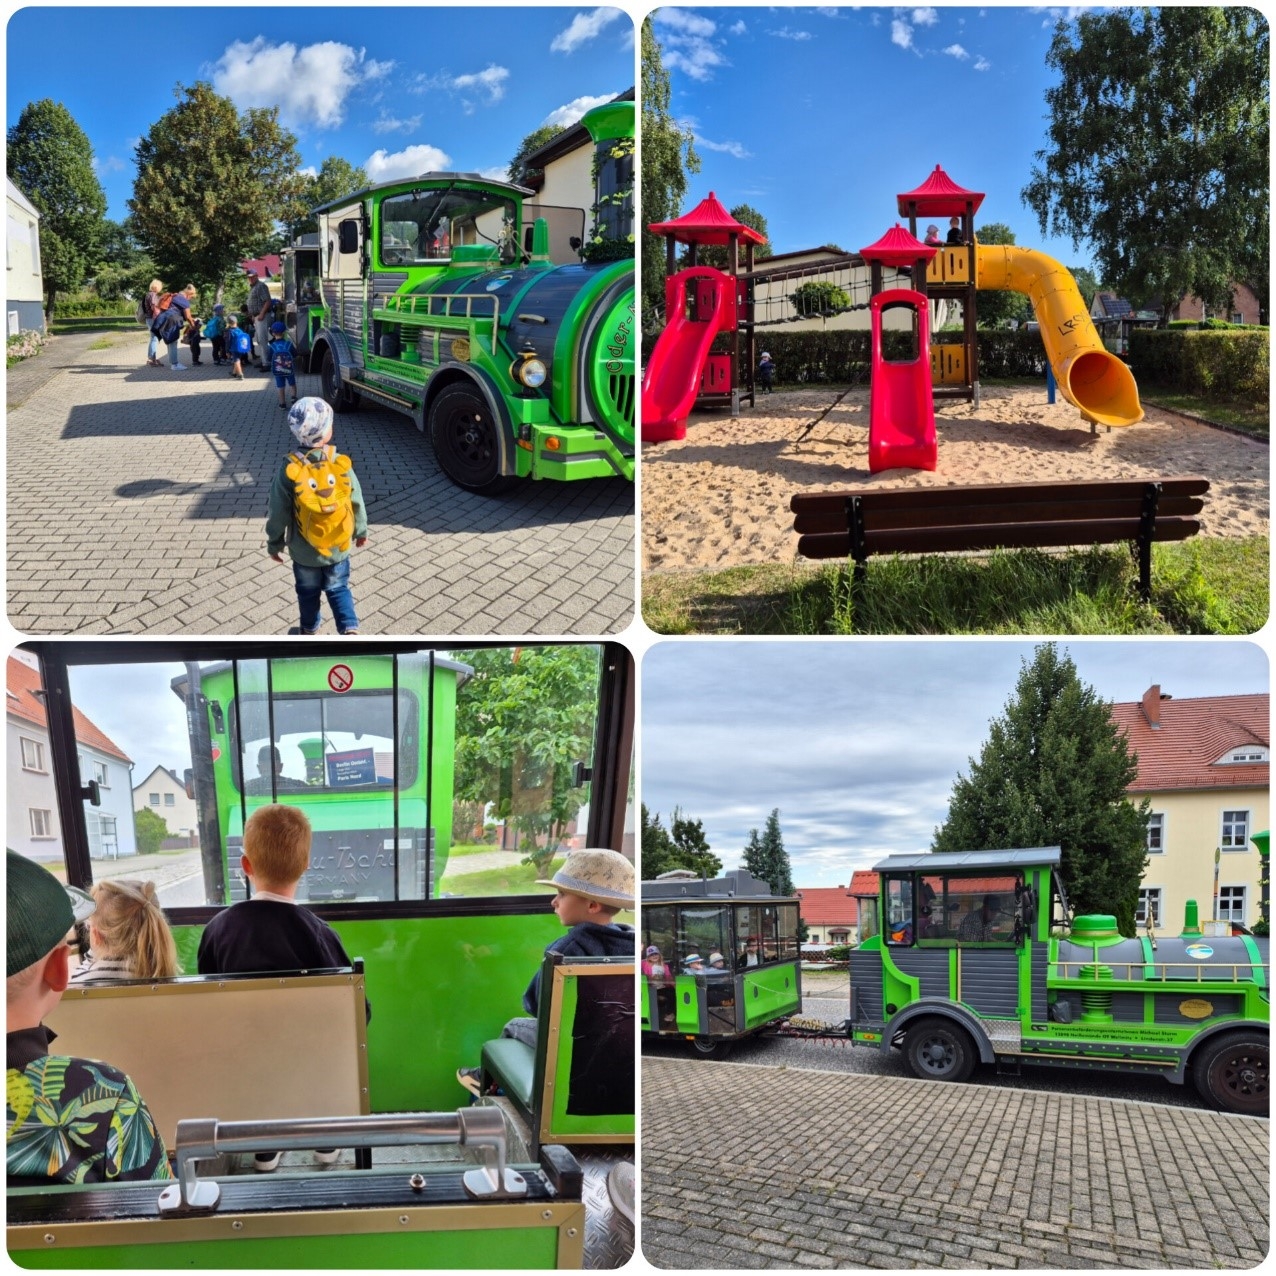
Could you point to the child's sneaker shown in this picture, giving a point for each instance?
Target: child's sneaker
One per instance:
(470, 1078)
(327, 1157)
(179, 367)
(305, 633)
(266, 1162)
(348, 633)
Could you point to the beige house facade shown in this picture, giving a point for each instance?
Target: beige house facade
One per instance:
(164, 794)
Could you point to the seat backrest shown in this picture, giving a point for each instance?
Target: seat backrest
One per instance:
(234, 1047)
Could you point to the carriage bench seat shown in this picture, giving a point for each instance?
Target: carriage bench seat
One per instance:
(857, 524)
(577, 1084)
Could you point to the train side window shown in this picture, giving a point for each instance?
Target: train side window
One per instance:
(899, 911)
(703, 930)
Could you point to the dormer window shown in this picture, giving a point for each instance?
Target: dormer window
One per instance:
(1246, 754)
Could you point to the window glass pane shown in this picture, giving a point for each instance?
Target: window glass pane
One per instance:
(1235, 830)
(899, 910)
(1156, 832)
(428, 226)
(703, 931)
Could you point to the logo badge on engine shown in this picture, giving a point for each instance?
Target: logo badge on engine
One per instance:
(1196, 1008)
(461, 349)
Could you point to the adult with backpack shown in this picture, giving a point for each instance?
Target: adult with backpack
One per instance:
(170, 322)
(316, 510)
(147, 309)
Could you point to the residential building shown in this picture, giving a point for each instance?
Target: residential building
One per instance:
(164, 794)
(829, 913)
(32, 826)
(1245, 307)
(24, 290)
(1204, 764)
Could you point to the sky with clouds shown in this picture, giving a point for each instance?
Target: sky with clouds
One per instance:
(819, 117)
(859, 742)
(397, 91)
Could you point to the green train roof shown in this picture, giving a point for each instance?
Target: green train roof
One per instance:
(978, 860)
(414, 183)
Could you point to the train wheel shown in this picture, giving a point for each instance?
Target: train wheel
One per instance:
(339, 397)
(466, 439)
(1231, 1073)
(711, 1047)
(938, 1050)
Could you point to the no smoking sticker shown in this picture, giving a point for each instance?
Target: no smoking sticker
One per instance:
(340, 678)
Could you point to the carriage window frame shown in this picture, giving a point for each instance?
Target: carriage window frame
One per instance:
(919, 929)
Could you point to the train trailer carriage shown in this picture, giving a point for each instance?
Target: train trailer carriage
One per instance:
(439, 302)
(432, 821)
(974, 957)
(726, 961)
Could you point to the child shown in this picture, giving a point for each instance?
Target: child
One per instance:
(238, 344)
(193, 336)
(766, 372)
(932, 237)
(317, 524)
(129, 936)
(593, 886)
(270, 931)
(282, 353)
(215, 331)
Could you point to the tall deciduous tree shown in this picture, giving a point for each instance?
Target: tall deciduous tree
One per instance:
(335, 179)
(211, 184)
(518, 168)
(522, 720)
(996, 309)
(1054, 772)
(766, 858)
(668, 155)
(1157, 150)
(684, 845)
(51, 161)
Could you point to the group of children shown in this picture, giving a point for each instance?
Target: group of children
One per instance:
(130, 939)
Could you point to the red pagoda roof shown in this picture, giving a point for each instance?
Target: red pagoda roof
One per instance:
(898, 248)
(707, 223)
(939, 196)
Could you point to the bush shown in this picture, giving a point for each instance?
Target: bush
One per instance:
(1220, 364)
(819, 297)
(22, 346)
(91, 307)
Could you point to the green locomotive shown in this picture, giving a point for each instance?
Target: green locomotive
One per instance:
(973, 957)
(438, 301)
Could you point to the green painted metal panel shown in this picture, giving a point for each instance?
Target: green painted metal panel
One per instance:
(769, 992)
(688, 998)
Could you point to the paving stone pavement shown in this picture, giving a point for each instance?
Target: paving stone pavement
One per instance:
(137, 505)
(775, 1168)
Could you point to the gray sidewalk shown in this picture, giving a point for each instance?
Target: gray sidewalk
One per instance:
(775, 1168)
(137, 503)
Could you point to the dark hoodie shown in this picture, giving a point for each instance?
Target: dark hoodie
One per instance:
(586, 939)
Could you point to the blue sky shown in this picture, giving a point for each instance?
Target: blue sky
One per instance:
(858, 743)
(819, 117)
(398, 91)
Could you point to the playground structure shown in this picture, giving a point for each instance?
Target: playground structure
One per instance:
(683, 373)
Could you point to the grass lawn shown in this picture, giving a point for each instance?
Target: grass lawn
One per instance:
(516, 879)
(1253, 419)
(1208, 585)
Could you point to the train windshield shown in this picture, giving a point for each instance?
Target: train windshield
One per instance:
(426, 227)
(949, 908)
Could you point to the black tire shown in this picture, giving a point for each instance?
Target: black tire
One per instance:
(711, 1047)
(466, 438)
(939, 1050)
(1231, 1073)
(339, 397)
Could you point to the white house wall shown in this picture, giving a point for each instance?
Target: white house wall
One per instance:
(24, 287)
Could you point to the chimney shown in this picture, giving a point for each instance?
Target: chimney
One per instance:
(1152, 706)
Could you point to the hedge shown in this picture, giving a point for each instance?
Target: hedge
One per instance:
(1218, 364)
(92, 307)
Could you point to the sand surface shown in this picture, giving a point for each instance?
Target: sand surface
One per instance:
(720, 497)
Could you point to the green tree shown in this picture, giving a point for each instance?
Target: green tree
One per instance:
(335, 179)
(766, 858)
(819, 297)
(51, 161)
(211, 184)
(150, 829)
(124, 267)
(1157, 149)
(518, 170)
(668, 156)
(683, 846)
(522, 721)
(713, 255)
(996, 309)
(1087, 283)
(1054, 772)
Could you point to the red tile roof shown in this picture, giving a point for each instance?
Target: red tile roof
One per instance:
(267, 267)
(865, 882)
(22, 683)
(827, 906)
(1183, 752)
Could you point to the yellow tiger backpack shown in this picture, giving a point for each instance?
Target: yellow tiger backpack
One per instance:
(323, 498)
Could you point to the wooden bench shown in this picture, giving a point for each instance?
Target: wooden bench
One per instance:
(577, 1085)
(233, 1047)
(936, 520)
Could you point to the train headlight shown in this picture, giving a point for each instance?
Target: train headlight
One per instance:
(529, 371)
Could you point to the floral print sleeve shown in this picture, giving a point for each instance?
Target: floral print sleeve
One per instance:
(73, 1120)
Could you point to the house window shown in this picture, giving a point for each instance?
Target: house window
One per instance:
(1149, 905)
(170, 799)
(1156, 833)
(32, 755)
(1231, 904)
(153, 799)
(1248, 753)
(41, 822)
(101, 775)
(1235, 834)
(1237, 317)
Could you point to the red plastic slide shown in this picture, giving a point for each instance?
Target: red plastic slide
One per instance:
(901, 411)
(671, 380)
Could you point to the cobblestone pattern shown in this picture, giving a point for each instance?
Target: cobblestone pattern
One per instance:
(772, 1168)
(137, 505)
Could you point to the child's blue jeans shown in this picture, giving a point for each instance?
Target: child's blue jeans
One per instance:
(335, 582)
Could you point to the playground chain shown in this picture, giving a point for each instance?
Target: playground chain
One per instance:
(720, 497)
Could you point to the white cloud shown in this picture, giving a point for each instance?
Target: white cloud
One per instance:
(111, 164)
(901, 33)
(687, 43)
(583, 28)
(392, 124)
(925, 17)
(384, 166)
(500, 173)
(982, 63)
(566, 116)
(488, 83)
(309, 171)
(784, 33)
(685, 22)
(956, 51)
(738, 28)
(735, 149)
(310, 84)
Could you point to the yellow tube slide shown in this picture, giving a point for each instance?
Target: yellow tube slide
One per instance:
(1090, 377)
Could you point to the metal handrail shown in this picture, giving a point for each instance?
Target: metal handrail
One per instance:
(1150, 969)
(401, 303)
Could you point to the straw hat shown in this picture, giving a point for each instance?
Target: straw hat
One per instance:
(604, 876)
